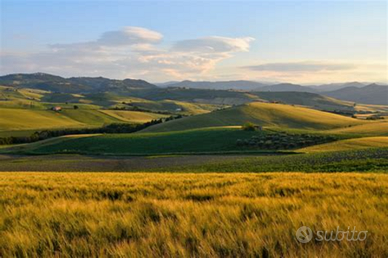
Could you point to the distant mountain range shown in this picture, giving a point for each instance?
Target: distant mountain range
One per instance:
(337, 86)
(370, 94)
(219, 85)
(287, 87)
(261, 86)
(43, 81)
(351, 91)
(192, 90)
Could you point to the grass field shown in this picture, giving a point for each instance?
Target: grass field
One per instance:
(133, 116)
(173, 105)
(23, 122)
(369, 128)
(364, 160)
(189, 215)
(220, 191)
(311, 100)
(23, 119)
(265, 114)
(27, 147)
(210, 140)
(218, 140)
(349, 144)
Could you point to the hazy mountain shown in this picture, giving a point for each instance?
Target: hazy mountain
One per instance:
(218, 85)
(286, 87)
(165, 84)
(105, 84)
(204, 91)
(370, 94)
(337, 86)
(43, 81)
(54, 83)
(31, 78)
(226, 97)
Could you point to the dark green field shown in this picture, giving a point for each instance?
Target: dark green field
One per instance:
(367, 160)
(206, 140)
(199, 141)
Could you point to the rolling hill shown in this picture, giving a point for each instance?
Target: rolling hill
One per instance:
(24, 119)
(11, 97)
(133, 116)
(349, 144)
(184, 142)
(14, 121)
(369, 128)
(264, 114)
(205, 96)
(108, 92)
(307, 99)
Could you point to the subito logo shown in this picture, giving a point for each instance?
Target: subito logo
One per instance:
(304, 234)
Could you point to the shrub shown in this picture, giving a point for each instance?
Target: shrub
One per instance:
(283, 141)
(374, 117)
(249, 127)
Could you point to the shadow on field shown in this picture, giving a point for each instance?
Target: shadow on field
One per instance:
(81, 163)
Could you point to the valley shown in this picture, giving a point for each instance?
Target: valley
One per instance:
(290, 127)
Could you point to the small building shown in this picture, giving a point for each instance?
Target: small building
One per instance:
(178, 110)
(57, 108)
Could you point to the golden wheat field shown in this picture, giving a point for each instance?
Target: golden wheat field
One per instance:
(189, 215)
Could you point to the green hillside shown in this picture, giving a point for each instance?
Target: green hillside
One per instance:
(307, 99)
(21, 122)
(349, 144)
(175, 106)
(264, 114)
(133, 116)
(23, 119)
(114, 100)
(367, 128)
(214, 140)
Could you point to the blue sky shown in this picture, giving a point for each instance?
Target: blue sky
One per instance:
(296, 41)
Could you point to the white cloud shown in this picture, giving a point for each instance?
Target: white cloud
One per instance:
(135, 52)
(214, 45)
(130, 52)
(129, 36)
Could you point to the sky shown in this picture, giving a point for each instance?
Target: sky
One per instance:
(304, 42)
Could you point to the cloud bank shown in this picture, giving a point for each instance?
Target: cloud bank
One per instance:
(213, 45)
(130, 52)
(301, 66)
(135, 52)
(319, 71)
